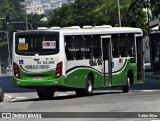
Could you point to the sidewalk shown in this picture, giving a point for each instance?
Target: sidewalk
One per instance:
(6, 74)
(152, 75)
(149, 73)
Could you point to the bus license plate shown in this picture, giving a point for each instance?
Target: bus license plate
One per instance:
(37, 78)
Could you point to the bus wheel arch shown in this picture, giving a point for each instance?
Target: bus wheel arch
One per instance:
(89, 85)
(129, 81)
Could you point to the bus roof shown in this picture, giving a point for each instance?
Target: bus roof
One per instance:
(88, 31)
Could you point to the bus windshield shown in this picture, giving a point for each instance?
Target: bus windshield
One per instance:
(37, 43)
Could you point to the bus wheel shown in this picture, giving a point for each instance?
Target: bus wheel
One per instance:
(88, 90)
(89, 86)
(80, 92)
(125, 88)
(45, 93)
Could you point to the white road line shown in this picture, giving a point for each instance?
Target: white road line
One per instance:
(21, 97)
(62, 94)
(8, 96)
(148, 90)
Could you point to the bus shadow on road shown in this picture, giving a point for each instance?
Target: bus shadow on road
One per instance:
(67, 97)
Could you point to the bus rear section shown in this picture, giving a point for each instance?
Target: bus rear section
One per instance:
(37, 62)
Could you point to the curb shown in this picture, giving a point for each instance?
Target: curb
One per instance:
(1, 95)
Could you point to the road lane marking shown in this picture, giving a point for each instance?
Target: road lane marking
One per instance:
(8, 96)
(148, 90)
(21, 97)
(62, 94)
(12, 98)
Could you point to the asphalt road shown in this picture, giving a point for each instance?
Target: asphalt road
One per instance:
(141, 98)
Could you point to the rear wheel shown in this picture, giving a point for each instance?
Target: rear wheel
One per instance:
(89, 86)
(125, 88)
(88, 90)
(45, 93)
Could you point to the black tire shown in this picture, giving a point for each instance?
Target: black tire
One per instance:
(88, 90)
(80, 92)
(125, 88)
(89, 86)
(45, 93)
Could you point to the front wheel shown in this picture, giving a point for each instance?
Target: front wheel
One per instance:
(125, 88)
(45, 93)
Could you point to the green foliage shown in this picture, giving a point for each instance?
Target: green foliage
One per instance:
(154, 8)
(3, 44)
(101, 12)
(36, 21)
(93, 12)
(4, 70)
(82, 12)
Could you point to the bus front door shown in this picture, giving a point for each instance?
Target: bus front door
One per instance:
(107, 60)
(140, 63)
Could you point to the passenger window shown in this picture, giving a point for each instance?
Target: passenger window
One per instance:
(69, 49)
(96, 46)
(123, 45)
(78, 45)
(88, 47)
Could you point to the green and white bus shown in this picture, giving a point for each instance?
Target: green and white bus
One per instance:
(77, 59)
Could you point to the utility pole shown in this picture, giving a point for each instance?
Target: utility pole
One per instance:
(119, 14)
(9, 56)
(159, 14)
(148, 17)
(133, 21)
(26, 22)
(0, 66)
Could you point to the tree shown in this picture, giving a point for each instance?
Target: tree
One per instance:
(63, 16)
(93, 12)
(36, 20)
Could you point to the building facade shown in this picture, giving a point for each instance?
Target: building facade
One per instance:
(43, 6)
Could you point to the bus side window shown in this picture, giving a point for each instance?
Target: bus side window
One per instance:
(116, 51)
(78, 45)
(131, 45)
(96, 45)
(69, 47)
(124, 45)
(88, 47)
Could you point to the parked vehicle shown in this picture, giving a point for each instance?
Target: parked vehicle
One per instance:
(9, 69)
